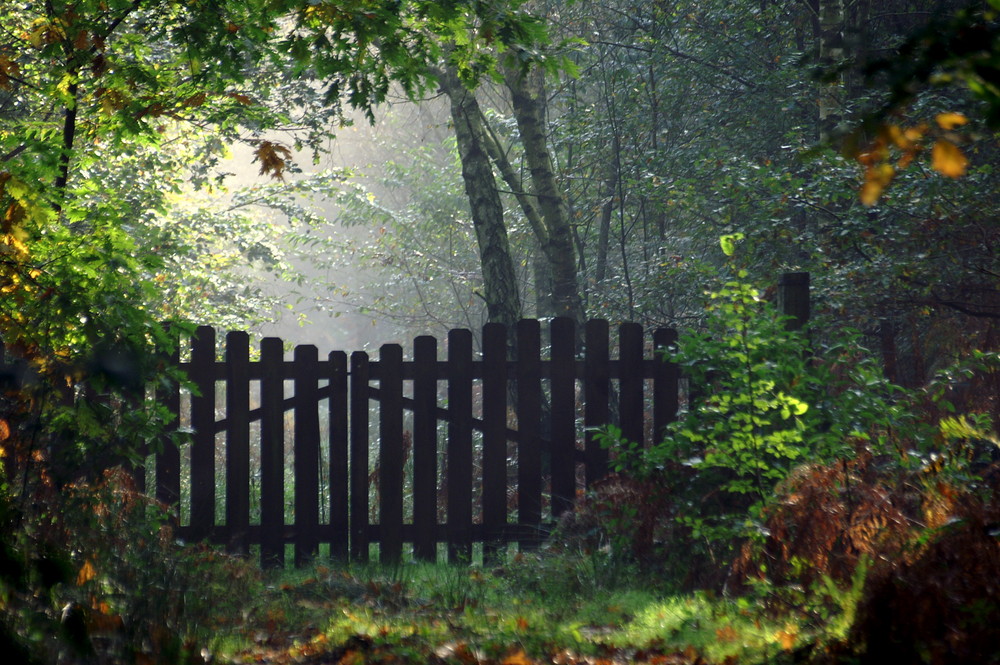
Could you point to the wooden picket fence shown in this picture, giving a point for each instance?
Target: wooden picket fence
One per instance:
(506, 471)
(408, 453)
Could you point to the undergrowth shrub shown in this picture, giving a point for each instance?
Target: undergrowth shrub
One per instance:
(939, 602)
(144, 593)
(95, 575)
(827, 517)
(761, 405)
(794, 462)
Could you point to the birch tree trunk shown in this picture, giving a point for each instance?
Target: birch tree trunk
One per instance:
(503, 299)
(528, 92)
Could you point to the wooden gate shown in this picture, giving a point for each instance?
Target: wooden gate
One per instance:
(431, 448)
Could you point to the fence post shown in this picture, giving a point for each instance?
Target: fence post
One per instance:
(630, 379)
(306, 447)
(425, 448)
(237, 440)
(391, 454)
(359, 456)
(596, 387)
(202, 374)
(168, 460)
(793, 298)
(460, 446)
(666, 377)
(563, 385)
(494, 439)
(272, 454)
(339, 478)
(529, 442)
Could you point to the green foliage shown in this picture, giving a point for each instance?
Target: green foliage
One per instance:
(744, 424)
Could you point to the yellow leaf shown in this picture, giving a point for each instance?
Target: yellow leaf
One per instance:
(877, 178)
(517, 658)
(949, 121)
(87, 573)
(898, 137)
(948, 160)
(786, 637)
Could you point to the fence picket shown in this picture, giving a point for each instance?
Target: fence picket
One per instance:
(666, 376)
(203, 440)
(494, 438)
(596, 390)
(391, 453)
(425, 448)
(529, 415)
(306, 450)
(339, 477)
(630, 380)
(459, 446)
(168, 460)
(359, 456)
(272, 454)
(563, 386)
(238, 441)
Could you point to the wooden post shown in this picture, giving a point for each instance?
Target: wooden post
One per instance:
(391, 453)
(666, 380)
(596, 388)
(359, 456)
(494, 439)
(563, 384)
(237, 441)
(631, 407)
(168, 460)
(272, 454)
(793, 298)
(202, 374)
(306, 461)
(425, 448)
(339, 478)
(460, 446)
(529, 440)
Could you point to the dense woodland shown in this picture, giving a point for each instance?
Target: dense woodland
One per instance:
(659, 162)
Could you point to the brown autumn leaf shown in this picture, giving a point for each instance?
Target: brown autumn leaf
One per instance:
(82, 41)
(87, 573)
(196, 99)
(948, 159)
(726, 634)
(4, 430)
(273, 158)
(8, 68)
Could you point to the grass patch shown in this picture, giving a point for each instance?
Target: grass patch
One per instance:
(536, 609)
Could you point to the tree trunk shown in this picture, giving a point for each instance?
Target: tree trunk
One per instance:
(831, 52)
(503, 300)
(528, 103)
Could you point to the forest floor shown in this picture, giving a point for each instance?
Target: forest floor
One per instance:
(559, 613)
